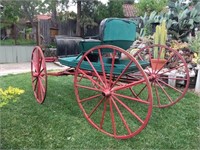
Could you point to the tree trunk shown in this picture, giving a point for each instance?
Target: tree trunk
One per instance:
(15, 33)
(78, 26)
(54, 14)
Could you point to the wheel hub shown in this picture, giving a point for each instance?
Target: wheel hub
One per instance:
(35, 74)
(106, 93)
(153, 77)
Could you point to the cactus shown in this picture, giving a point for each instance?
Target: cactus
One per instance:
(160, 37)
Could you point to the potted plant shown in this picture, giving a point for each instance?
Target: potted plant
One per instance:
(160, 37)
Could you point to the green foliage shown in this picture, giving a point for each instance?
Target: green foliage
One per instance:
(27, 9)
(101, 12)
(147, 6)
(10, 13)
(115, 8)
(112, 9)
(181, 20)
(57, 9)
(92, 12)
(150, 21)
(88, 9)
(194, 43)
(18, 42)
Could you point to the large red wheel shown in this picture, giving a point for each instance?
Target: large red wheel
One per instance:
(170, 82)
(107, 96)
(39, 74)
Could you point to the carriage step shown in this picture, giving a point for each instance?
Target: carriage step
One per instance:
(119, 65)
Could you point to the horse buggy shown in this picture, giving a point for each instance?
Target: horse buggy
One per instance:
(115, 90)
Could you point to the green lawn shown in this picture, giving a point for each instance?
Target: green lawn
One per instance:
(59, 123)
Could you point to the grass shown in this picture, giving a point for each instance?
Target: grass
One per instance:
(59, 123)
(19, 42)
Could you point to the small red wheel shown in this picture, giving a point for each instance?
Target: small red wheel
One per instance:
(169, 82)
(39, 74)
(105, 89)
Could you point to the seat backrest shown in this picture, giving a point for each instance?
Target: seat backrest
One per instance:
(117, 31)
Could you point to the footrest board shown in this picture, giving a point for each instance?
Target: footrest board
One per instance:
(71, 61)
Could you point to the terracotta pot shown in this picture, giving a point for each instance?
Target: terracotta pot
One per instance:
(157, 64)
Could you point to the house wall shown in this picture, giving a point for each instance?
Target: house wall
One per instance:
(15, 54)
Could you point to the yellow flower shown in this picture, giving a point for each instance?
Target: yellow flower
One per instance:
(9, 94)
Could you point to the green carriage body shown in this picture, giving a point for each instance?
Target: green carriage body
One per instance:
(113, 31)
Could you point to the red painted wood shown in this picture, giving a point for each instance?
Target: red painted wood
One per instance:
(160, 78)
(111, 106)
(39, 74)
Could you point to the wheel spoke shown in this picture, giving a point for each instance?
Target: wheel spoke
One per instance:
(90, 98)
(38, 90)
(122, 73)
(102, 67)
(34, 79)
(112, 67)
(95, 108)
(157, 95)
(131, 98)
(174, 62)
(175, 68)
(90, 78)
(103, 114)
(169, 98)
(131, 111)
(39, 75)
(134, 94)
(126, 86)
(95, 71)
(170, 86)
(122, 117)
(106, 108)
(142, 90)
(112, 118)
(42, 86)
(41, 90)
(182, 79)
(34, 65)
(35, 85)
(89, 88)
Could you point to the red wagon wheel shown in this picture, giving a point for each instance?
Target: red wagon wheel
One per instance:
(105, 89)
(39, 74)
(169, 82)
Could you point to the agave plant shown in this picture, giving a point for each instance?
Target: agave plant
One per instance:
(183, 20)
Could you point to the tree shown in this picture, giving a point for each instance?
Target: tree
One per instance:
(51, 6)
(78, 25)
(10, 13)
(115, 8)
(85, 14)
(149, 6)
(90, 13)
(20, 9)
(101, 12)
